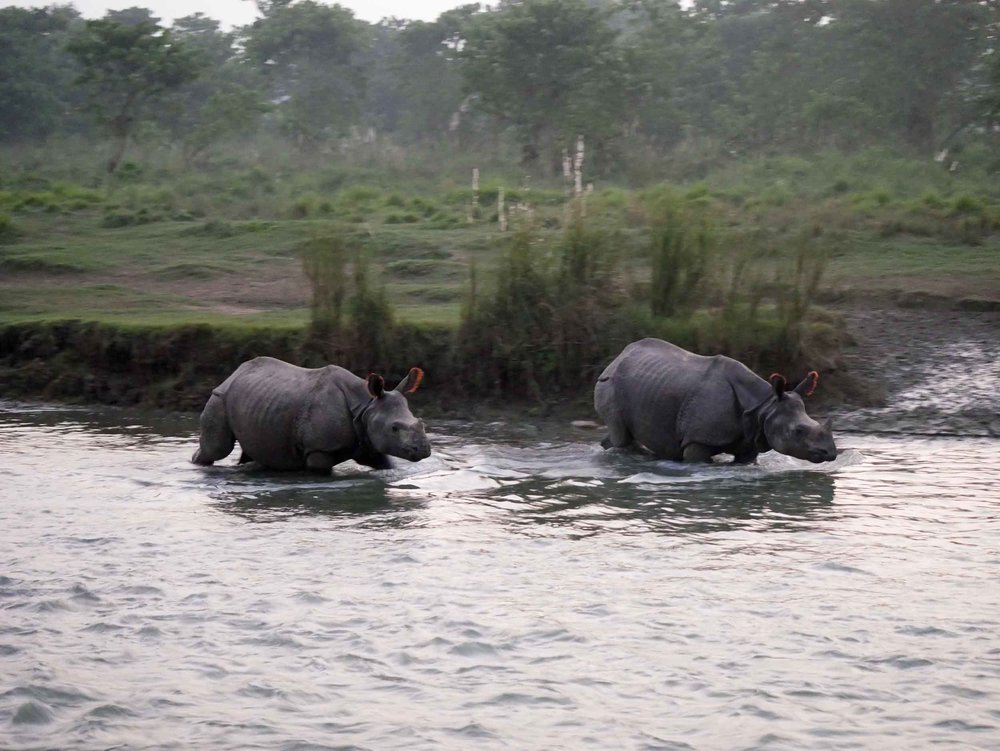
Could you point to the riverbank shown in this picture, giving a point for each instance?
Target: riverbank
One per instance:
(176, 367)
(888, 368)
(931, 370)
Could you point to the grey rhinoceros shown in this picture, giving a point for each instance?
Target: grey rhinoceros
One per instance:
(684, 406)
(287, 417)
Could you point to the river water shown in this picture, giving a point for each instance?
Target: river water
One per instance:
(520, 589)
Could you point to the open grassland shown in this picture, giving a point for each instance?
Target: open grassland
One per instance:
(136, 252)
(356, 266)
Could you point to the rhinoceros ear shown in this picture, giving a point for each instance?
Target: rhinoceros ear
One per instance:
(376, 385)
(411, 382)
(808, 384)
(778, 383)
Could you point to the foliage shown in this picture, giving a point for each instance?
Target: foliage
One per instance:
(309, 55)
(36, 73)
(682, 250)
(8, 230)
(126, 67)
(551, 319)
(324, 261)
(550, 68)
(372, 317)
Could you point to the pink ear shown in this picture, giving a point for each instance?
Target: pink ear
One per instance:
(416, 378)
(808, 384)
(376, 385)
(778, 383)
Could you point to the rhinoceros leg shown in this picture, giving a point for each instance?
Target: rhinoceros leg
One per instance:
(747, 457)
(698, 452)
(216, 440)
(373, 459)
(323, 461)
(606, 404)
(320, 461)
(619, 436)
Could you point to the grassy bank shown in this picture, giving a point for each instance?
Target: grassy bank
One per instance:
(152, 285)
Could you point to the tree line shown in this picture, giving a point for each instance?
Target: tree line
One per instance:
(639, 78)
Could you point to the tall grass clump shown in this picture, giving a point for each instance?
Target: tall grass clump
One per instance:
(682, 249)
(352, 320)
(551, 319)
(770, 284)
(324, 262)
(372, 317)
(797, 282)
(8, 230)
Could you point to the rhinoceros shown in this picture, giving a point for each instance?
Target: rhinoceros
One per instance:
(287, 417)
(689, 407)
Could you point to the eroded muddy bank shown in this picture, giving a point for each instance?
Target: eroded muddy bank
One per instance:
(890, 369)
(931, 370)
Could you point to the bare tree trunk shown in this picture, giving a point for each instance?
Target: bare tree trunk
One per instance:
(120, 128)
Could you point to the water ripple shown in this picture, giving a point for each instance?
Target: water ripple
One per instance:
(519, 590)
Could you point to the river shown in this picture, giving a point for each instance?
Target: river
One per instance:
(520, 589)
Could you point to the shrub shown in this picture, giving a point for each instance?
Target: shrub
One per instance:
(402, 219)
(359, 194)
(323, 261)
(551, 320)
(8, 231)
(683, 243)
(419, 267)
(372, 317)
(967, 205)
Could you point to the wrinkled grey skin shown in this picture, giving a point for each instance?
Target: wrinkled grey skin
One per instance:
(684, 406)
(287, 417)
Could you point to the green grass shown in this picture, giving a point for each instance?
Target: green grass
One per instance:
(875, 261)
(160, 244)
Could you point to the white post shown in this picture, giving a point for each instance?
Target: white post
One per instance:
(578, 168)
(474, 210)
(501, 216)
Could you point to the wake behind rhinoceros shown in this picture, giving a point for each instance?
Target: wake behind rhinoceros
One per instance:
(287, 417)
(689, 407)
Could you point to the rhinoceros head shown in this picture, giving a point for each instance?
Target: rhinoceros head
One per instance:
(390, 427)
(790, 430)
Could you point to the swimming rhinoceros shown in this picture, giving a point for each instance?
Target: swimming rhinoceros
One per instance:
(287, 417)
(680, 405)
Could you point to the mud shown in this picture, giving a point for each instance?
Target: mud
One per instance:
(931, 370)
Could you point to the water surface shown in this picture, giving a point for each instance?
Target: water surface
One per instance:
(520, 589)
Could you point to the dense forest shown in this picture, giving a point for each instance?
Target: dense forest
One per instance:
(642, 80)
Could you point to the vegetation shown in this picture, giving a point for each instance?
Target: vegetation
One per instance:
(310, 174)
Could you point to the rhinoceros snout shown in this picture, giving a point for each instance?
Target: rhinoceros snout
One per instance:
(818, 456)
(420, 452)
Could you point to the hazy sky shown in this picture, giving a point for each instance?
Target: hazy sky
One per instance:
(239, 12)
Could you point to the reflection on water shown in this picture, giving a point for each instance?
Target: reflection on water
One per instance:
(521, 588)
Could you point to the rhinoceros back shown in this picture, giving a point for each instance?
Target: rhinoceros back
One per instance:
(269, 401)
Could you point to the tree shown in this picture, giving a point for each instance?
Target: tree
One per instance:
(416, 84)
(677, 68)
(909, 59)
(125, 69)
(35, 71)
(552, 69)
(310, 56)
(226, 101)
